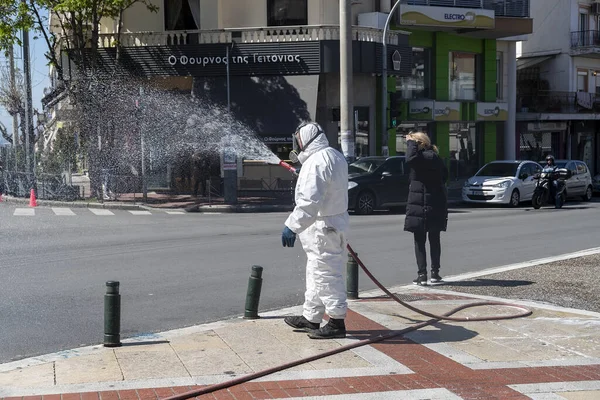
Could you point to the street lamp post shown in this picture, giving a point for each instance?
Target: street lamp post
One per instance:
(384, 89)
(229, 156)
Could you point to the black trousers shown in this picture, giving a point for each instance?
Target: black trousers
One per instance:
(435, 248)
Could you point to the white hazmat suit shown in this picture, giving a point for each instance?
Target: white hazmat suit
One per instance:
(321, 221)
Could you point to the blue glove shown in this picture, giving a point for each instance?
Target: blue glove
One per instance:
(288, 237)
(297, 171)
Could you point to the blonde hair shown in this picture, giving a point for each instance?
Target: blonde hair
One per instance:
(423, 141)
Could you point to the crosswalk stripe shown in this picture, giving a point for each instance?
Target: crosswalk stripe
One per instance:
(140, 212)
(62, 211)
(101, 212)
(24, 212)
(175, 212)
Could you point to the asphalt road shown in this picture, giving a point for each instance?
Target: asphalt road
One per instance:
(181, 270)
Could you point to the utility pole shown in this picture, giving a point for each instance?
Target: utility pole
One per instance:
(28, 104)
(346, 88)
(13, 89)
(229, 156)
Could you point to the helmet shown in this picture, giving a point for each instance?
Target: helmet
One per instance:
(550, 159)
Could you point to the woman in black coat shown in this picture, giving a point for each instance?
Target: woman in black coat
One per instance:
(427, 206)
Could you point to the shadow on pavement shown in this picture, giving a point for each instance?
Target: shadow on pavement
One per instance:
(488, 282)
(443, 334)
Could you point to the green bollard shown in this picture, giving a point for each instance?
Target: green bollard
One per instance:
(253, 294)
(352, 278)
(112, 315)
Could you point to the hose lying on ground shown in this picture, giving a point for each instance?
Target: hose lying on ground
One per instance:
(375, 339)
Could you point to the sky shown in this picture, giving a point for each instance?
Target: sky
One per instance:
(39, 75)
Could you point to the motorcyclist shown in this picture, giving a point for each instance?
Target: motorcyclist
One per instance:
(551, 168)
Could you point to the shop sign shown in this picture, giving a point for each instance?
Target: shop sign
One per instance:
(446, 17)
(277, 139)
(492, 111)
(420, 110)
(446, 111)
(254, 58)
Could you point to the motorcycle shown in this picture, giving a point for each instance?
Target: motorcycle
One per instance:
(544, 187)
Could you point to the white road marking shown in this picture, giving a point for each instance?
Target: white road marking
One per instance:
(175, 212)
(101, 212)
(140, 212)
(62, 211)
(24, 212)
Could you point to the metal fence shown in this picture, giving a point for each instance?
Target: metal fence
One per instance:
(47, 186)
(585, 38)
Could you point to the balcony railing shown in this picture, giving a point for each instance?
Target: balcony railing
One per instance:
(247, 35)
(502, 8)
(547, 101)
(585, 38)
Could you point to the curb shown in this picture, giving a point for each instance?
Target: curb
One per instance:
(54, 203)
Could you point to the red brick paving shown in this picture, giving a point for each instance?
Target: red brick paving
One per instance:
(431, 370)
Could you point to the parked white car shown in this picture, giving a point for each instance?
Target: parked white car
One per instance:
(580, 183)
(507, 182)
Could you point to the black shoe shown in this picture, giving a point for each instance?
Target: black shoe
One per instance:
(334, 329)
(301, 323)
(421, 280)
(435, 277)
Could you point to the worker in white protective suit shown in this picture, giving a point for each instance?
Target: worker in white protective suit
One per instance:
(321, 221)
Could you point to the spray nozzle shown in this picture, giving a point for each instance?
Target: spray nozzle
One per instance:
(288, 167)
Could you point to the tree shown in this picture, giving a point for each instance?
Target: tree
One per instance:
(74, 29)
(12, 98)
(4, 133)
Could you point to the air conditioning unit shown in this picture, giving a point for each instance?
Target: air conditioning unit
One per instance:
(596, 7)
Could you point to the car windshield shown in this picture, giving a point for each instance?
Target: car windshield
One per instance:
(498, 169)
(365, 166)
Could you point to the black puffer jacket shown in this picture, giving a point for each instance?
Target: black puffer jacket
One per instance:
(427, 205)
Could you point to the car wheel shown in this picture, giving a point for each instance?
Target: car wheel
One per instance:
(589, 192)
(515, 198)
(365, 203)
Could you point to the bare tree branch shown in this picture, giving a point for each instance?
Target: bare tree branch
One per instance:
(11, 98)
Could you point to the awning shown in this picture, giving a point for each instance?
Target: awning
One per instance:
(528, 62)
(272, 106)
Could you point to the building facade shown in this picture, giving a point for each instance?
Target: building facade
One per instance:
(462, 87)
(559, 86)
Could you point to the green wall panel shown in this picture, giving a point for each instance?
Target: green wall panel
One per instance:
(489, 141)
(489, 70)
(442, 139)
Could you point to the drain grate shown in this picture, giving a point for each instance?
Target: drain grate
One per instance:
(407, 297)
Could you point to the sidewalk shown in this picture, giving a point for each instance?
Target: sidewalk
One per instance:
(552, 354)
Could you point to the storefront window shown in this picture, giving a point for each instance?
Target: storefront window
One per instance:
(287, 12)
(405, 129)
(361, 123)
(417, 86)
(462, 76)
(464, 154)
(182, 15)
(535, 146)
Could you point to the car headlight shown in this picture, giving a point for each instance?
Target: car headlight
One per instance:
(502, 185)
(352, 185)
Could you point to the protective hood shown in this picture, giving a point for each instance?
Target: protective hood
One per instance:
(314, 132)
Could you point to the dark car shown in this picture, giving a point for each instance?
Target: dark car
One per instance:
(377, 183)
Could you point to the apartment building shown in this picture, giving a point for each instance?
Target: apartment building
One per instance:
(462, 86)
(559, 86)
(284, 60)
